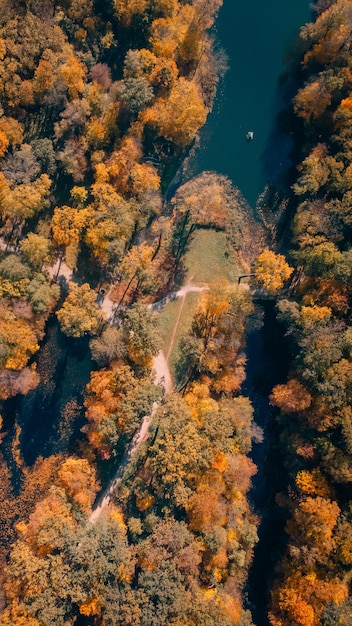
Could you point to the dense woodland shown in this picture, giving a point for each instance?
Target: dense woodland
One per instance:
(314, 577)
(100, 104)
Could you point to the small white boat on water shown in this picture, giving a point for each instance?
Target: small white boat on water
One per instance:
(250, 135)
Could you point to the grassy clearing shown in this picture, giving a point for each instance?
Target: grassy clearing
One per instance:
(208, 260)
(182, 310)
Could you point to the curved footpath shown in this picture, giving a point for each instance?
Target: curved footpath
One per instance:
(164, 380)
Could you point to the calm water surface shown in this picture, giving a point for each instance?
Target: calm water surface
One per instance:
(260, 39)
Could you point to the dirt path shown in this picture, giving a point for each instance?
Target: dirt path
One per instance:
(175, 328)
(190, 288)
(59, 270)
(164, 380)
(157, 306)
(140, 436)
(108, 306)
(162, 372)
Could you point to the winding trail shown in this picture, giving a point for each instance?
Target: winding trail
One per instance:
(59, 270)
(140, 436)
(164, 380)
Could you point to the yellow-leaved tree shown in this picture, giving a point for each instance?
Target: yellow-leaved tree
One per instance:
(272, 270)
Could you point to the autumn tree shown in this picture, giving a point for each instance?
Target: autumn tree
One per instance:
(79, 480)
(67, 224)
(80, 313)
(179, 116)
(111, 223)
(13, 382)
(303, 597)
(21, 202)
(136, 267)
(291, 397)
(17, 339)
(141, 335)
(108, 346)
(73, 73)
(177, 456)
(272, 270)
(207, 199)
(115, 403)
(37, 250)
(219, 325)
(312, 100)
(126, 11)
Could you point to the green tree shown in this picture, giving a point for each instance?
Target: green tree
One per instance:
(37, 250)
(141, 334)
(108, 346)
(135, 93)
(41, 294)
(178, 455)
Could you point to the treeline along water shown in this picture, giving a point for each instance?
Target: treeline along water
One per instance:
(261, 40)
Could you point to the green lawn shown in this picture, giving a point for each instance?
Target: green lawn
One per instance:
(181, 310)
(207, 259)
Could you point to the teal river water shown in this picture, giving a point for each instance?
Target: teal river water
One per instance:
(260, 41)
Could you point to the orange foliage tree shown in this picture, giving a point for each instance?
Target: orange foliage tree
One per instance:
(291, 397)
(179, 116)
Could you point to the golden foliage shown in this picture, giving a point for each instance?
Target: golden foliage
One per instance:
(145, 502)
(79, 479)
(303, 597)
(45, 523)
(144, 178)
(67, 224)
(91, 606)
(73, 73)
(312, 101)
(126, 10)
(80, 312)
(20, 339)
(272, 270)
(179, 116)
(4, 143)
(232, 606)
(312, 483)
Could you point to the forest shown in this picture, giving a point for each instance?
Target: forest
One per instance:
(101, 104)
(313, 580)
(131, 503)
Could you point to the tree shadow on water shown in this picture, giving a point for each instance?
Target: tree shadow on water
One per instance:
(280, 156)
